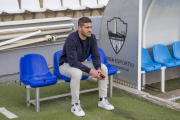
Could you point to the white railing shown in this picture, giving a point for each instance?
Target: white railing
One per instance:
(18, 36)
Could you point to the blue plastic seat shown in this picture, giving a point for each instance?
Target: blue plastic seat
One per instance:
(34, 71)
(147, 64)
(176, 50)
(56, 60)
(161, 55)
(111, 69)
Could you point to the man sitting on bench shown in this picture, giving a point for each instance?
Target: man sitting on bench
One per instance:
(73, 64)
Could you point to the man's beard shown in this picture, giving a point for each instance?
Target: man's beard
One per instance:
(85, 34)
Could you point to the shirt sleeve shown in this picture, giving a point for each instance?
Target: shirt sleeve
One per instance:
(72, 56)
(95, 56)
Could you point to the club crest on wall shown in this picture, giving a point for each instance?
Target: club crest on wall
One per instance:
(117, 30)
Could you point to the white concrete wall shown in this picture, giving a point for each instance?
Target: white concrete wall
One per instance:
(9, 60)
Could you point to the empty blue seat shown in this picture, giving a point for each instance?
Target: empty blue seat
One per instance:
(56, 59)
(34, 71)
(161, 55)
(111, 69)
(176, 50)
(147, 64)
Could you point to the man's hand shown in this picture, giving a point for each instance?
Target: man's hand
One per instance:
(94, 73)
(97, 73)
(100, 72)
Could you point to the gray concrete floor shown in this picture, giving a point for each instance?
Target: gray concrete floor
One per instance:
(168, 95)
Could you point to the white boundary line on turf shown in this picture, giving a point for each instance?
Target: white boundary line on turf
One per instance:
(7, 113)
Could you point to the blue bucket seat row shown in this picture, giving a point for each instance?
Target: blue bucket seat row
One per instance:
(34, 70)
(161, 57)
(34, 73)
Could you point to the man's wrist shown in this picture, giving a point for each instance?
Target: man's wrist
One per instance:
(99, 68)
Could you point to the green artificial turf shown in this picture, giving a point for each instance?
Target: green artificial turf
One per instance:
(12, 97)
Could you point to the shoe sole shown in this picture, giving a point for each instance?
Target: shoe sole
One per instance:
(77, 115)
(105, 108)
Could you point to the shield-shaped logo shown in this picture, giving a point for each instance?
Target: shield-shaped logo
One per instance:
(117, 30)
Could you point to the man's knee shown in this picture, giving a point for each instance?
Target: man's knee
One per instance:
(77, 74)
(104, 68)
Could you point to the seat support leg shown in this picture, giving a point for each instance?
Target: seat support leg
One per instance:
(13, 17)
(37, 100)
(64, 13)
(99, 11)
(97, 83)
(2, 18)
(27, 96)
(111, 86)
(178, 72)
(23, 16)
(34, 16)
(45, 14)
(91, 12)
(74, 13)
(56, 13)
(139, 81)
(163, 79)
(82, 13)
(143, 80)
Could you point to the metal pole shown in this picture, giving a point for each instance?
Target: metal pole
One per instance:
(64, 13)
(13, 17)
(34, 16)
(56, 13)
(139, 80)
(7, 36)
(20, 38)
(139, 45)
(82, 13)
(2, 18)
(23, 16)
(163, 79)
(27, 42)
(99, 11)
(37, 103)
(111, 86)
(91, 12)
(27, 96)
(36, 28)
(45, 14)
(143, 80)
(62, 95)
(74, 13)
(139, 83)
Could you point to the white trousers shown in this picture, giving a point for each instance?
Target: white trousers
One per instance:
(76, 74)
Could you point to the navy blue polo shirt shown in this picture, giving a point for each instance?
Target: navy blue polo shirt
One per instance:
(76, 50)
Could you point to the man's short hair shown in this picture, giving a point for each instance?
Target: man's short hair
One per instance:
(83, 20)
